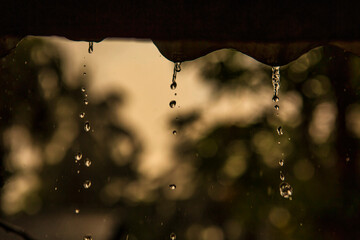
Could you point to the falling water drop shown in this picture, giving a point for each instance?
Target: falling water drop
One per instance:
(83, 89)
(86, 102)
(173, 85)
(87, 237)
(282, 176)
(91, 47)
(280, 131)
(276, 107)
(172, 104)
(78, 156)
(275, 98)
(286, 190)
(87, 162)
(82, 115)
(87, 184)
(172, 186)
(174, 132)
(77, 211)
(281, 162)
(172, 236)
(87, 126)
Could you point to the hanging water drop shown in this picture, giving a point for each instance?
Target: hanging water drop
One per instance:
(174, 132)
(82, 115)
(87, 162)
(282, 176)
(87, 184)
(172, 186)
(172, 236)
(286, 190)
(172, 104)
(91, 47)
(280, 131)
(173, 85)
(281, 162)
(87, 126)
(87, 237)
(86, 102)
(78, 156)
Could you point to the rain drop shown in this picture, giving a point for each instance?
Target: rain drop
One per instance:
(281, 162)
(174, 132)
(78, 156)
(282, 176)
(286, 190)
(87, 126)
(87, 162)
(87, 184)
(172, 236)
(172, 186)
(280, 131)
(91, 47)
(173, 85)
(87, 237)
(276, 107)
(82, 115)
(86, 102)
(172, 104)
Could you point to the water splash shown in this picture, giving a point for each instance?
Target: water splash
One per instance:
(91, 47)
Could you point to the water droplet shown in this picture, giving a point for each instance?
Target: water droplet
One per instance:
(85, 95)
(172, 236)
(78, 171)
(84, 73)
(77, 211)
(282, 176)
(173, 85)
(86, 102)
(174, 132)
(276, 107)
(172, 104)
(172, 186)
(26, 62)
(279, 142)
(275, 98)
(281, 162)
(347, 159)
(87, 162)
(286, 190)
(87, 184)
(56, 188)
(82, 115)
(87, 126)
(280, 131)
(178, 66)
(91, 47)
(87, 237)
(84, 65)
(78, 156)
(83, 89)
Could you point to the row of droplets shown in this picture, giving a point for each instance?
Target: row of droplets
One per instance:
(285, 188)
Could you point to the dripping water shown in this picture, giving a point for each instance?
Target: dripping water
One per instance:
(91, 47)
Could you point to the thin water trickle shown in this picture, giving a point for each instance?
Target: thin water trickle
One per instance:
(91, 47)
(177, 68)
(87, 184)
(172, 104)
(87, 126)
(172, 186)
